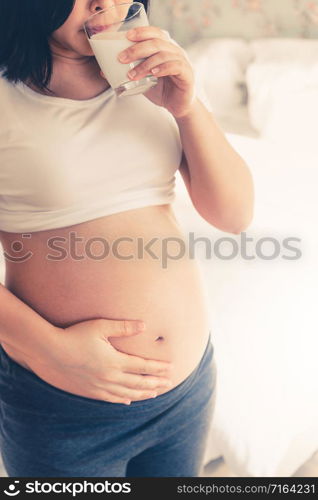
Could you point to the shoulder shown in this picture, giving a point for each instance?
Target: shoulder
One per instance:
(8, 91)
(3, 93)
(5, 85)
(7, 101)
(2, 77)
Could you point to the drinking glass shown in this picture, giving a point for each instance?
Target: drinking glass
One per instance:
(106, 32)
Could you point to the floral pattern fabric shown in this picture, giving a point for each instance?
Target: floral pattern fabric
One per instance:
(189, 20)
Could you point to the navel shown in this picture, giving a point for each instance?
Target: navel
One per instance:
(160, 338)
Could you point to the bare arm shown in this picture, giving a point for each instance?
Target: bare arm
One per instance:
(22, 328)
(218, 180)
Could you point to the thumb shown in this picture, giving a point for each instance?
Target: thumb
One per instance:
(122, 328)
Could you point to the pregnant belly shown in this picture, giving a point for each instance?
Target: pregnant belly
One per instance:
(108, 268)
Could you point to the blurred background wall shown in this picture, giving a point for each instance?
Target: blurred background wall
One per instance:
(190, 20)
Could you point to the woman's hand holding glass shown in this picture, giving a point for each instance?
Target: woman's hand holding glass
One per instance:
(166, 60)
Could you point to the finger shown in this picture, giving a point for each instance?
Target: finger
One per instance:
(120, 328)
(110, 398)
(135, 364)
(130, 394)
(152, 63)
(141, 382)
(171, 68)
(146, 33)
(146, 49)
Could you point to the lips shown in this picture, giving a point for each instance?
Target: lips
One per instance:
(97, 29)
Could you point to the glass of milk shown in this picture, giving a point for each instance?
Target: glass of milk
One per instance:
(106, 32)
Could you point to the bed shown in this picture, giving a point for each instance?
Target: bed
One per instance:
(263, 309)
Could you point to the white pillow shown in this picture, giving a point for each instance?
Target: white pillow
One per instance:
(220, 66)
(282, 83)
(297, 49)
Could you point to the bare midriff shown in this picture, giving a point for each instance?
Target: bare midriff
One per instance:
(103, 268)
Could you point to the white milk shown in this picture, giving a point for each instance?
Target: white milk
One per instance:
(106, 47)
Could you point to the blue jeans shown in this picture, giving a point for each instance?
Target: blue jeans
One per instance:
(48, 432)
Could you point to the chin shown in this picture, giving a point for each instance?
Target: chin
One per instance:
(85, 50)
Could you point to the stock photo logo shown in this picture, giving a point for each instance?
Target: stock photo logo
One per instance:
(12, 490)
(163, 250)
(16, 248)
(68, 487)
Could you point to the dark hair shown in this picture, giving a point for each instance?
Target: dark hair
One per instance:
(25, 28)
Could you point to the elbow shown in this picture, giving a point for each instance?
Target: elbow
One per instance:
(231, 223)
(227, 226)
(234, 229)
(229, 217)
(239, 230)
(242, 217)
(243, 223)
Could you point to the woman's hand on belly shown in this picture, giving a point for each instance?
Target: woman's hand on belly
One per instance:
(85, 363)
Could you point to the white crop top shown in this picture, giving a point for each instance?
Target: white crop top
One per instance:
(64, 161)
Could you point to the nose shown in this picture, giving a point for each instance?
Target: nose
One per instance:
(98, 5)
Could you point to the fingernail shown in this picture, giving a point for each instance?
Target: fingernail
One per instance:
(123, 57)
(127, 402)
(132, 73)
(140, 326)
(154, 394)
(131, 34)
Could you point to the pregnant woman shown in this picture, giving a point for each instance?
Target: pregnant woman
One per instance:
(106, 360)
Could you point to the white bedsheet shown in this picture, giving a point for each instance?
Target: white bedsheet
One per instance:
(263, 319)
(282, 87)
